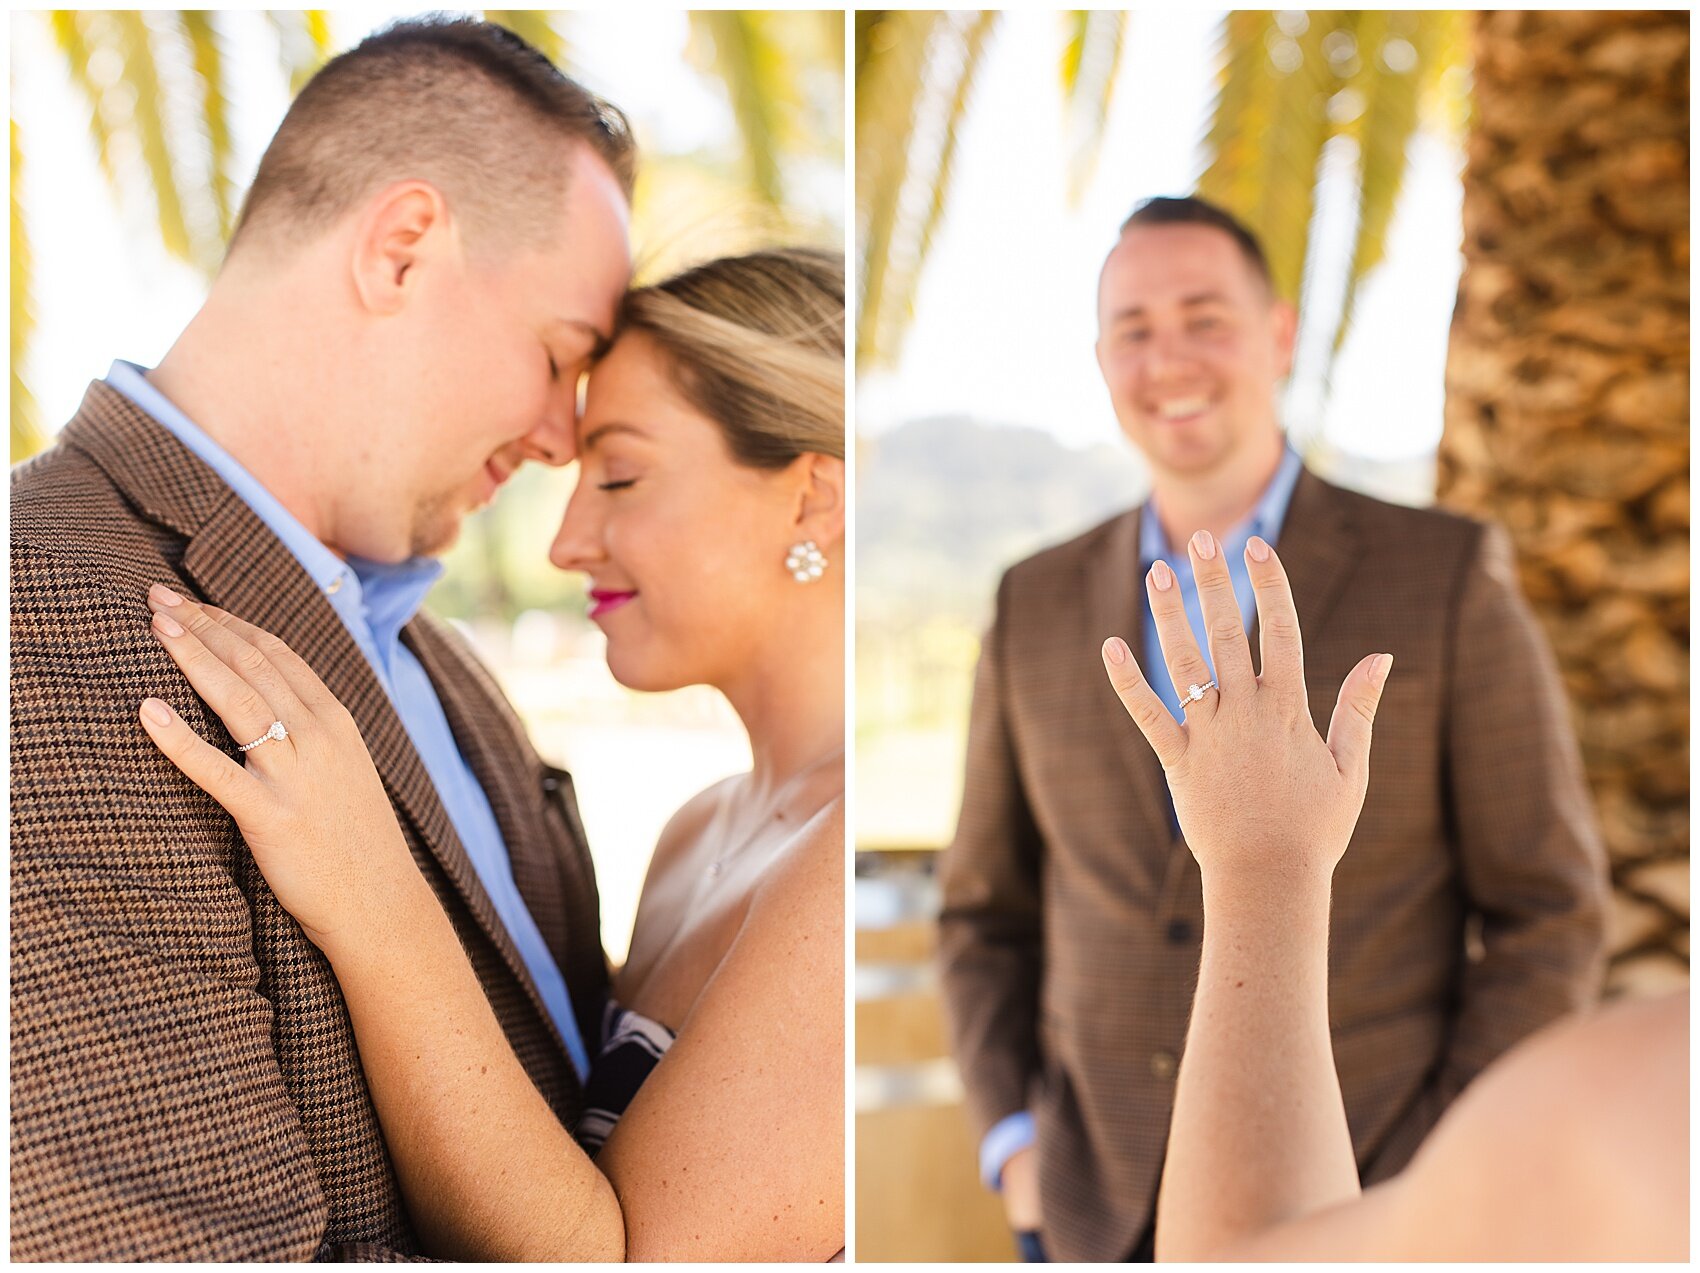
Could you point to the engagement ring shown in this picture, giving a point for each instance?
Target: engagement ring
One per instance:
(1195, 692)
(277, 731)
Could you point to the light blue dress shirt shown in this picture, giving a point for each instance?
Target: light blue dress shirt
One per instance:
(1015, 1131)
(375, 601)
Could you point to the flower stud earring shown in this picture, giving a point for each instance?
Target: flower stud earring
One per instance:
(805, 561)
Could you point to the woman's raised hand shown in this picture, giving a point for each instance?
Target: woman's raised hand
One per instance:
(310, 805)
(1258, 794)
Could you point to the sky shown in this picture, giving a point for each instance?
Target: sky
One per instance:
(1005, 314)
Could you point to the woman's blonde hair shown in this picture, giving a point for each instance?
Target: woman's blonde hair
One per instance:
(756, 343)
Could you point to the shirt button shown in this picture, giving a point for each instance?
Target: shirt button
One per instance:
(334, 586)
(1163, 1065)
(1179, 932)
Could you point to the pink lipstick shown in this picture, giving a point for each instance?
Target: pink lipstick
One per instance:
(607, 600)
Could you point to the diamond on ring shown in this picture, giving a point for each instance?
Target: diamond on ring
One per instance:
(1194, 693)
(277, 733)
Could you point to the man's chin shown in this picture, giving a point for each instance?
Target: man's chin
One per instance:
(436, 533)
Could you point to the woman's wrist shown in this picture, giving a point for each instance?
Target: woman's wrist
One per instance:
(380, 921)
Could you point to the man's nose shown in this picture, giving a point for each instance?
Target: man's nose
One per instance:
(1167, 353)
(553, 440)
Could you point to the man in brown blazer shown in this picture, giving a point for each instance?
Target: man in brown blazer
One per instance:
(1468, 912)
(433, 247)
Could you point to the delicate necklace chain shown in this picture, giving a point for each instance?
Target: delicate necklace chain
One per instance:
(778, 804)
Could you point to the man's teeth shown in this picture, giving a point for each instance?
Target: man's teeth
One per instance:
(1182, 407)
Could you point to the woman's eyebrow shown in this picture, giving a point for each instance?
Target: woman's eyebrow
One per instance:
(613, 426)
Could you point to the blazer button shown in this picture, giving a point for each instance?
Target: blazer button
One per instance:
(551, 784)
(1163, 1065)
(1179, 932)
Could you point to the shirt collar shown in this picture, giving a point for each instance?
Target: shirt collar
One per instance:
(390, 593)
(386, 596)
(1264, 520)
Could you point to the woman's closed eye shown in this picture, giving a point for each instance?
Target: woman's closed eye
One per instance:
(618, 485)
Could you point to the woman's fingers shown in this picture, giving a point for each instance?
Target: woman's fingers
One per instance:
(1354, 716)
(206, 766)
(1229, 653)
(1161, 730)
(1277, 619)
(1180, 652)
(301, 678)
(240, 687)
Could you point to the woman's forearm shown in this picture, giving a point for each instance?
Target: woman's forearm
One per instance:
(1259, 1133)
(487, 1170)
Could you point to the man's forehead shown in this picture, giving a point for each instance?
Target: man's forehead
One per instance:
(1179, 261)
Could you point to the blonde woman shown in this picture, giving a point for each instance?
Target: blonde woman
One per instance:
(709, 517)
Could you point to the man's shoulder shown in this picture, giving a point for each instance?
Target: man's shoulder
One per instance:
(74, 532)
(1058, 566)
(1413, 529)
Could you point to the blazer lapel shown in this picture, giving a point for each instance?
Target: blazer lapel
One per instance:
(1316, 548)
(469, 701)
(236, 562)
(1113, 586)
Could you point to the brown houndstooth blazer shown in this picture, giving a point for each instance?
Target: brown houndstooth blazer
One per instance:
(1072, 914)
(185, 1083)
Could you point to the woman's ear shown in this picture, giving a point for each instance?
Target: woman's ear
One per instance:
(393, 236)
(819, 507)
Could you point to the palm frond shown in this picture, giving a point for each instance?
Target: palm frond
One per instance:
(1230, 147)
(535, 27)
(973, 48)
(891, 62)
(207, 55)
(750, 69)
(1092, 55)
(68, 26)
(148, 119)
(26, 424)
(910, 103)
(1389, 86)
(303, 43)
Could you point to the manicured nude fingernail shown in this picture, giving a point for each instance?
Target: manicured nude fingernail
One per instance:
(1379, 667)
(156, 711)
(1162, 576)
(166, 624)
(1257, 548)
(1115, 650)
(1204, 545)
(160, 593)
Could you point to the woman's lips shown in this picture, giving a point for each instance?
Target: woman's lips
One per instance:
(606, 600)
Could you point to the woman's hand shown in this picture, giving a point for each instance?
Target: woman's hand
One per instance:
(311, 806)
(1258, 794)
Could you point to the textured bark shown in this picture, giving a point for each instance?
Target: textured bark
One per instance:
(1567, 410)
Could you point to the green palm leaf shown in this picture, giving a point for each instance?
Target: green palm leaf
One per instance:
(303, 41)
(1389, 86)
(148, 119)
(910, 65)
(753, 72)
(69, 34)
(208, 59)
(1092, 54)
(1273, 140)
(973, 48)
(26, 425)
(891, 58)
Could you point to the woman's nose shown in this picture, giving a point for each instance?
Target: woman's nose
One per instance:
(578, 543)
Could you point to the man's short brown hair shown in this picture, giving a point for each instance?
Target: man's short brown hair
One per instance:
(465, 105)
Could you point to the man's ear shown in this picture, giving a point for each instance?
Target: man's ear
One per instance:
(1286, 324)
(819, 507)
(400, 226)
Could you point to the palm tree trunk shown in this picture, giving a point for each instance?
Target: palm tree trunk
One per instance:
(1567, 410)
